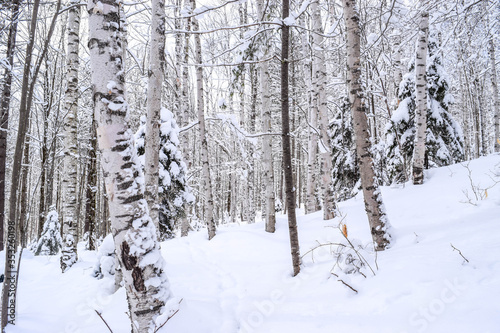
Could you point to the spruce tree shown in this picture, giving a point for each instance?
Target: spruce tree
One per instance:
(444, 138)
(345, 165)
(50, 242)
(174, 194)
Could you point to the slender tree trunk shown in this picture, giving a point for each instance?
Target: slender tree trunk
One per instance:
(207, 182)
(311, 200)
(69, 183)
(494, 88)
(421, 99)
(267, 144)
(91, 190)
(285, 135)
(134, 233)
(155, 84)
(4, 105)
(372, 195)
(320, 103)
(22, 218)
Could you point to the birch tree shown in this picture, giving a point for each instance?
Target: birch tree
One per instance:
(69, 183)
(155, 84)
(134, 233)
(200, 100)
(421, 98)
(285, 137)
(377, 219)
(319, 103)
(267, 144)
(4, 108)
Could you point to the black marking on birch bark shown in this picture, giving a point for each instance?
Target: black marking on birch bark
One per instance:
(138, 279)
(101, 45)
(127, 165)
(132, 198)
(129, 261)
(120, 148)
(143, 312)
(124, 185)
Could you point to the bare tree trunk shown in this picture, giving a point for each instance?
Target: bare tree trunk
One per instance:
(207, 182)
(4, 105)
(267, 144)
(155, 84)
(372, 195)
(421, 98)
(134, 233)
(184, 107)
(311, 200)
(69, 182)
(319, 102)
(91, 190)
(494, 88)
(285, 135)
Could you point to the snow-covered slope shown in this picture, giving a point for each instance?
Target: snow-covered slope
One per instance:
(241, 280)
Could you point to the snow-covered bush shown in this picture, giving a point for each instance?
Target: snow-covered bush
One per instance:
(50, 241)
(105, 265)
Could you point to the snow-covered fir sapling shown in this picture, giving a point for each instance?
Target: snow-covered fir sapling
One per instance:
(345, 171)
(444, 138)
(105, 265)
(50, 241)
(174, 193)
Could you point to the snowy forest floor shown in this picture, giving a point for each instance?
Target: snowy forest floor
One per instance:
(241, 280)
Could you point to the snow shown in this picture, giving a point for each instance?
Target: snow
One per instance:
(241, 282)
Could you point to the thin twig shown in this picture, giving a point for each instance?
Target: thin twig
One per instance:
(345, 284)
(100, 316)
(460, 252)
(169, 317)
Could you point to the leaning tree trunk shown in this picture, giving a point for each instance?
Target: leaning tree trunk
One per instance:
(4, 105)
(320, 103)
(136, 244)
(285, 135)
(69, 182)
(421, 99)
(207, 182)
(267, 144)
(372, 196)
(155, 84)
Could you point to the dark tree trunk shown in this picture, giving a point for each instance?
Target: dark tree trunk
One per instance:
(287, 156)
(6, 91)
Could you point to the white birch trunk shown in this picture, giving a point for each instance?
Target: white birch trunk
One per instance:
(372, 196)
(267, 144)
(311, 200)
(421, 99)
(184, 109)
(207, 182)
(494, 88)
(69, 182)
(155, 84)
(134, 233)
(319, 103)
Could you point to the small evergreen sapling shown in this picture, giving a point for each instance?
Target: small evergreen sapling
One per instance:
(174, 193)
(444, 137)
(345, 165)
(50, 241)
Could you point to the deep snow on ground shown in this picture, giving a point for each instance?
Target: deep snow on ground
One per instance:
(241, 280)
